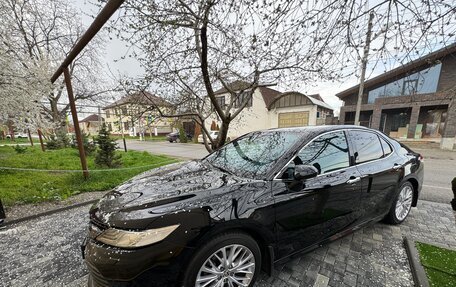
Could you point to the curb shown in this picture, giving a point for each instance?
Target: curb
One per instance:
(49, 212)
(418, 273)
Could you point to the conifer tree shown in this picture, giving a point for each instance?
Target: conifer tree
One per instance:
(106, 154)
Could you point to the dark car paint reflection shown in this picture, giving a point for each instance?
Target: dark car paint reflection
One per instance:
(256, 193)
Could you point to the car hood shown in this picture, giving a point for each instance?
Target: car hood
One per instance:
(162, 190)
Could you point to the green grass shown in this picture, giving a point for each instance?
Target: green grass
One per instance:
(439, 263)
(35, 186)
(18, 141)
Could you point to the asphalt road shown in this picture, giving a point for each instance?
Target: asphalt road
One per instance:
(185, 151)
(440, 166)
(439, 171)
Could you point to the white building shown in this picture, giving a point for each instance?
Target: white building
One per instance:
(270, 108)
(137, 113)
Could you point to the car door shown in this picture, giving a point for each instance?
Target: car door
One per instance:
(309, 211)
(380, 170)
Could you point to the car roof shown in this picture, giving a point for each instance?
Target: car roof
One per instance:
(319, 129)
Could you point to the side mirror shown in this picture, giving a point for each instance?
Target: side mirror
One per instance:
(304, 172)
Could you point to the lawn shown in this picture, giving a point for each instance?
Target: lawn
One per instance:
(439, 263)
(36, 186)
(18, 141)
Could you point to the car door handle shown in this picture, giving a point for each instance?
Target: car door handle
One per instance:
(397, 166)
(354, 180)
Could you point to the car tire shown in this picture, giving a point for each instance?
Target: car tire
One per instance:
(241, 244)
(402, 204)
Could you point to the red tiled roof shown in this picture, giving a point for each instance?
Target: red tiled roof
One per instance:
(91, 118)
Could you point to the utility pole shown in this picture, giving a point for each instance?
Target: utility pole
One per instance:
(363, 68)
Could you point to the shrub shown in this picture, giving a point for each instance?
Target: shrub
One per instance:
(89, 147)
(106, 153)
(182, 135)
(58, 141)
(53, 143)
(20, 149)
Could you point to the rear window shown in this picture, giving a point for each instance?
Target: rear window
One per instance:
(386, 147)
(367, 146)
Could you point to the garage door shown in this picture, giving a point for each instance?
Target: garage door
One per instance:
(296, 119)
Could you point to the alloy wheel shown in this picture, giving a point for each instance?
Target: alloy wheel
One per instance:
(404, 203)
(230, 266)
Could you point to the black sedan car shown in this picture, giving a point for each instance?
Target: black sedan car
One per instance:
(256, 201)
(174, 137)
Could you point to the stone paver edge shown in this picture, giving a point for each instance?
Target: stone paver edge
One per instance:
(418, 273)
(48, 212)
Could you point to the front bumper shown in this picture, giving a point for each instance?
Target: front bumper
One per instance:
(156, 265)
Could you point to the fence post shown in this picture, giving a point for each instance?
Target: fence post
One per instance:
(40, 136)
(74, 115)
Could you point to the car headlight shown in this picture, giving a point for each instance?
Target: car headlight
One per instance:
(132, 239)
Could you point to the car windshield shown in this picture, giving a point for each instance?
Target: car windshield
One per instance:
(255, 154)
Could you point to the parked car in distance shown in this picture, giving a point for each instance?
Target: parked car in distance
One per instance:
(212, 134)
(174, 137)
(257, 200)
(18, 135)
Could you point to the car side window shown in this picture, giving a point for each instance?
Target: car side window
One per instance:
(326, 153)
(386, 147)
(367, 146)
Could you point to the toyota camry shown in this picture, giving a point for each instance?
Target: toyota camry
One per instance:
(254, 202)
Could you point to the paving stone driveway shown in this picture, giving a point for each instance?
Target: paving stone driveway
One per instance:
(45, 252)
(372, 256)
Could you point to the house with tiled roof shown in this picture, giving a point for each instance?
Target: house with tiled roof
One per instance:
(91, 124)
(137, 113)
(270, 108)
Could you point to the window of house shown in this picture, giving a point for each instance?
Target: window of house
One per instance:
(242, 97)
(124, 110)
(422, 82)
(409, 87)
(367, 146)
(108, 114)
(220, 101)
(318, 115)
(109, 127)
(326, 153)
(126, 126)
